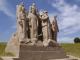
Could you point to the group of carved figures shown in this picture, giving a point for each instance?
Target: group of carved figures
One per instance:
(33, 26)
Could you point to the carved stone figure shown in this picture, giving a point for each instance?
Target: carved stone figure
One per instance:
(21, 22)
(44, 18)
(35, 38)
(33, 23)
(34, 27)
(54, 29)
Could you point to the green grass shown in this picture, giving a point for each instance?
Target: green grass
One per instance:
(2, 48)
(72, 49)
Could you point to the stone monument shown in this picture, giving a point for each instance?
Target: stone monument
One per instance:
(36, 37)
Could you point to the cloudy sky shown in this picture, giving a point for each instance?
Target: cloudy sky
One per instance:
(67, 11)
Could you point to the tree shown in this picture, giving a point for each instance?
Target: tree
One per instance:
(76, 40)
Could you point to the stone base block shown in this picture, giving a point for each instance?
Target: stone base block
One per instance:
(40, 53)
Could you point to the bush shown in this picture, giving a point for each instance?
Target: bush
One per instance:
(76, 40)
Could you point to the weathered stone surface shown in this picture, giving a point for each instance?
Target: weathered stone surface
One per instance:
(13, 45)
(33, 26)
(40, 53)
(54, 28)
(46, 29)
(22, 24)
(44, 18)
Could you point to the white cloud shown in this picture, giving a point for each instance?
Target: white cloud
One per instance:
(65, 40)
(5, 9)
(69, 18)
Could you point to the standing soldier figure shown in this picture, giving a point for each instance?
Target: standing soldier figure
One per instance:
(33, 24)
(44, 18)
(21, 22)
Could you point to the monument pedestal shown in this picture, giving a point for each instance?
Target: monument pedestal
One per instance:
(40, 53)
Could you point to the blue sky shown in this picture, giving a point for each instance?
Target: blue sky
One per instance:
(68, 12)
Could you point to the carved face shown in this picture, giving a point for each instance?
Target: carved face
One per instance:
(21, 8)
(44, 15)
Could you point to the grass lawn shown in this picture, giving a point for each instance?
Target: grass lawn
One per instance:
(72, 49)
(2, 48)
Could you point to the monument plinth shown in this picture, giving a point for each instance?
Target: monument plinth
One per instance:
(36, 37)
(40, 53)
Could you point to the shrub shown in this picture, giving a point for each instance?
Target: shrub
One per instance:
(76, 40)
